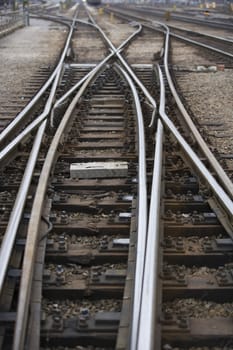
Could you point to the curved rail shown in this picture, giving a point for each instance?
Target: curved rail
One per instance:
(222, 176)
(223, 197)
(148, 334)
(154, 23)
(17, 211)
(36, 122)
(33, 229)
(181, 18)
(65, 96)
(205, 173)
(142, 214)
(22, 115)
(147, 331)
(229, 41)
(129, 70)
(14, 143)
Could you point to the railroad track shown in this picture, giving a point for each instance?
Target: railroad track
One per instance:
(88, 265)
(217, 43)
(186, 17)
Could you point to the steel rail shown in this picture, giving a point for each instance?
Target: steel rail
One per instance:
(66, 95)
(22, 115)
(76, 86)
(34, 224)
(142, 213)
(151, 26)
(129, 70)
(222, 176)
(30, 245)
(18, 208)
(209, 47)
(222, 196)
(205, 22)
(17, 211)
(36, 122)
(147, 332)
(225, 200)
(201, 33)
(16, 214)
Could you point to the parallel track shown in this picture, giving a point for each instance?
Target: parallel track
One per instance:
(92, 267)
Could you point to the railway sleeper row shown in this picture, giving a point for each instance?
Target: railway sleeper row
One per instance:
(196, 261)
(89, 252)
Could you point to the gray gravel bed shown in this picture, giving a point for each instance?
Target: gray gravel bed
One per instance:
(92, 242)
(88, 46)
(71, 308)
(143, 49)
(191, 271)
(195, 244)
(196, 271)
(79, 272)
(26, 50)
(116, 29)
(207, 94)
(198, 308)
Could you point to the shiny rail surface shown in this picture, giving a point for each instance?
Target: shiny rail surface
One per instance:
(222, 176)
(30, 248)
(8, 132)
(146, 323)
(185, 18)
(222, 196)
(10, 234)
(152, 24)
